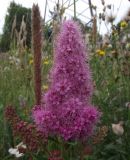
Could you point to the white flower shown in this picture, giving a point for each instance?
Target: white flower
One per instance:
(118, 129)
(15, 151)
(19, 154)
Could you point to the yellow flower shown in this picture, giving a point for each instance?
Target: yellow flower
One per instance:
(100, 52)
(123, 24)
(31, 61)
(45, 87)
(46, 61)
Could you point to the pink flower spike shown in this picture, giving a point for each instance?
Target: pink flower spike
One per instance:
(67, 111)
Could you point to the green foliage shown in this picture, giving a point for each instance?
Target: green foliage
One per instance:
(19, 11)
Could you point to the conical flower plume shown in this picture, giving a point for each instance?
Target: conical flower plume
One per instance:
(67, 111)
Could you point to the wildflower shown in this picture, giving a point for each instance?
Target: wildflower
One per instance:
(118, 129)
(100, 52)
(68, 112)
(31, 61)
(45, 87)
(13, 151)
(123, 24)
(46, 62)
(16, 152)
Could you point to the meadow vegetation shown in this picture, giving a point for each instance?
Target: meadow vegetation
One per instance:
(109, 59)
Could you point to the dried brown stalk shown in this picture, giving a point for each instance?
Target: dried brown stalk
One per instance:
(37, 46)
(94, 30)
